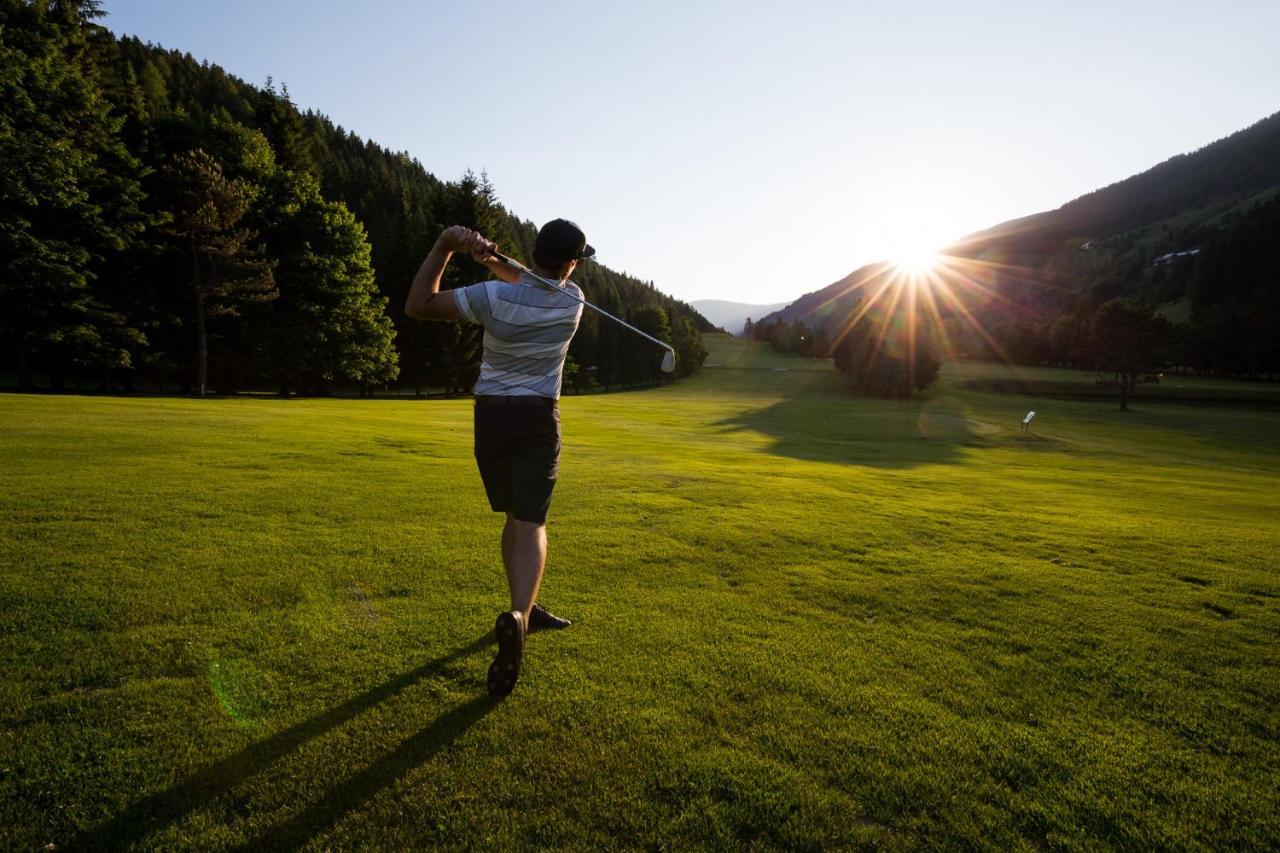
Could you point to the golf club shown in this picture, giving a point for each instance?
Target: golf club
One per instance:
(668, 358)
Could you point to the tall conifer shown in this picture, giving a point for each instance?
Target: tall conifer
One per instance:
(226, 266)
(69, 192)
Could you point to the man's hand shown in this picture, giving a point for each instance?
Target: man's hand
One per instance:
(454, 238)
(459, 238)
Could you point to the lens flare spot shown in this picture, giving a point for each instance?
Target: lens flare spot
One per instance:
(243, 692)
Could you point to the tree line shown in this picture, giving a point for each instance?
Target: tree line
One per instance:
(1229, 289)
(884, 352)
(166, 225)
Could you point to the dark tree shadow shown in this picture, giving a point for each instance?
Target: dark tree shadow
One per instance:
(879, 433)
(166, 807)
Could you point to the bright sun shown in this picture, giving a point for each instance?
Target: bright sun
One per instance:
(916, 261)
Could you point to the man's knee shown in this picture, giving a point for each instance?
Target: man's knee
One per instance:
(526, 527)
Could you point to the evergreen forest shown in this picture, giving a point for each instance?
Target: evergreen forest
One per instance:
(165, 226)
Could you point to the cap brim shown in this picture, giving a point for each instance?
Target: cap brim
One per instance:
(588, 251)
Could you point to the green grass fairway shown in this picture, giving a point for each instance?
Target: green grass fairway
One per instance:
(802, 620)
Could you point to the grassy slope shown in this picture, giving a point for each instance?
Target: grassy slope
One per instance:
(801, 619)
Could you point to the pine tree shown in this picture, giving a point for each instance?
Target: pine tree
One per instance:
(283, 125)
(608, 358)
(641, 358)
(225, 266)
(329, 323)
(690, 353)
(69, 193)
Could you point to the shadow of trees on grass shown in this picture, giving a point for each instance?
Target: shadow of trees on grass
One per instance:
(875, 433)
(156, 811)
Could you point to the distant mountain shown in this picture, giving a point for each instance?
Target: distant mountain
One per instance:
(731, 316)
(816, 308)
(1109, 239)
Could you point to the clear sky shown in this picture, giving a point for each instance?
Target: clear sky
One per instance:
(757, 151)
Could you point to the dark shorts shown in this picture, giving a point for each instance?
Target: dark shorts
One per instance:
(518, 451)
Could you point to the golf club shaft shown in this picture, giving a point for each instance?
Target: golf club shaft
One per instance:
(555, 286)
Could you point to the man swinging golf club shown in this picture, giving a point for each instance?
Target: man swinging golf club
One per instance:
(529, 317)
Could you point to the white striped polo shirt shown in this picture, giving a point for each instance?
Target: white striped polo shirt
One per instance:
(527, 329)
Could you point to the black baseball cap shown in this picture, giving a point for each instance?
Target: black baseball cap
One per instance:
(561, 241)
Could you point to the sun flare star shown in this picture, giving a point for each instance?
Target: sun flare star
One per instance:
(924, 294)
(917, 262)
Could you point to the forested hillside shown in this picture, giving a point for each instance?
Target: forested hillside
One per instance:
(1174, 203)
(166, 225)
(1193, 244)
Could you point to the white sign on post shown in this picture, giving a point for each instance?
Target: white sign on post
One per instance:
(1026, 422)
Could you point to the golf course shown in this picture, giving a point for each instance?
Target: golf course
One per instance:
(802, 619)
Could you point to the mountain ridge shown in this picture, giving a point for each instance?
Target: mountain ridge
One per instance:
(1185, 197)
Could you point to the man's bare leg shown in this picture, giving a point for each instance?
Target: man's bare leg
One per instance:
(509, 546)
(524, 555)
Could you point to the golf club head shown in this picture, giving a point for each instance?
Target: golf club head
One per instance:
(668, 361)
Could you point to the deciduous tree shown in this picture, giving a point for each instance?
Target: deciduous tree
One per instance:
(1126, 341)
(885, 358)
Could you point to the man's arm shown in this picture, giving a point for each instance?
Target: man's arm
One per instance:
(503, 270)
(425, 301)
(422, 303)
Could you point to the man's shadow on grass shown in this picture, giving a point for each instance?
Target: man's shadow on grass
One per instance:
(349, 795)
(167, 807)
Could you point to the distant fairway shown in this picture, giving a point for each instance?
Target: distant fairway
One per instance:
(801, 619)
